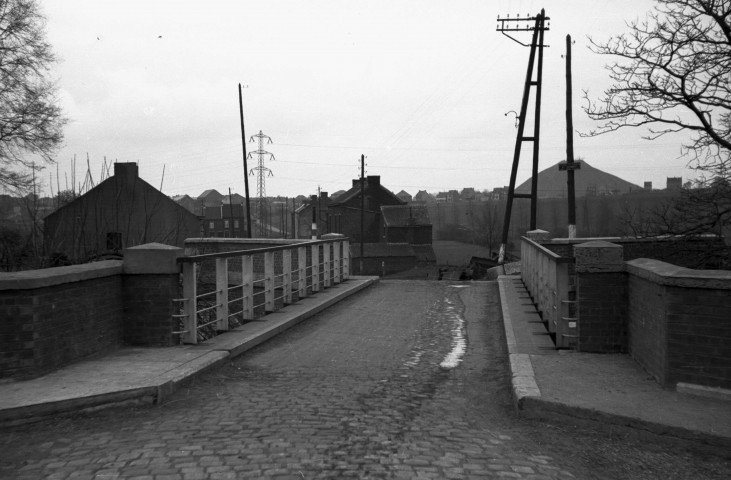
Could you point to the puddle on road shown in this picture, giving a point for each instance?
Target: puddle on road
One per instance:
(459, 335)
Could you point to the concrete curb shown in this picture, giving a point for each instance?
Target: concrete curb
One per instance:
(522, 376)
(214, 353)
(529, 402)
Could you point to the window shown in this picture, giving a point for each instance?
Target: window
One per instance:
(211, 225)
(225, 224)
(236, 224)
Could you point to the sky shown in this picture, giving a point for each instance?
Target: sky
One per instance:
(420, 87)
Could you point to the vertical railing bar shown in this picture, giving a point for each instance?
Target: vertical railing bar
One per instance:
(287, 276)
(247, 278)
(269, 281)
(190, 306)
(222, 294)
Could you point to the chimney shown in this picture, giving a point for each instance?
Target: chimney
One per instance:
(356, 182)
(127, 171)
(373, 180)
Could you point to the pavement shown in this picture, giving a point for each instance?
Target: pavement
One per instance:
(150, 375)
(607, 389)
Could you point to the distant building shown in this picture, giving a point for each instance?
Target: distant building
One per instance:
(189, 203)
(674, 183)
(648, 186)
(210, 198)
(424, 196)
(407, 224)
(120, 212)
(467, 194)
(405, 196)
(304, 219)
(224, 221)
(499, 193)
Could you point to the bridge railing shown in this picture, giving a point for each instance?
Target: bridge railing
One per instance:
(228, 288)
(546, 277)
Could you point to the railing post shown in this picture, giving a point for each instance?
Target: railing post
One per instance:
(269, 281)
(287, 276)
(190, 307)
(346, 259)
(302, 271)
(221, 294)
(247, 280)
(336, 261)
(327, 273)
(565, 325)
(316, 268)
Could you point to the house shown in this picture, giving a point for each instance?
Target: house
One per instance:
(210, 198)
(189, 203)
(405, 196)
(304, 219)
(120, 212)
(224, 221)
(468, 193)
(424, 196)
(407, 224)
(344, 214)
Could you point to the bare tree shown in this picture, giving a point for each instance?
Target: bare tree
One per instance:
(673, 74)
(31, 121)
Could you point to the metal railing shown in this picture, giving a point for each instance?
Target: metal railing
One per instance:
(546, 277)
(225, 288)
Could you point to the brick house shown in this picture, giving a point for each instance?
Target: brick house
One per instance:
(343, 214)
(224, 221)
(121, 212)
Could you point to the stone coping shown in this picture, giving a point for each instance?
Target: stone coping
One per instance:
(621, 240)
(668, 274)
(245, 241)
(48, 277)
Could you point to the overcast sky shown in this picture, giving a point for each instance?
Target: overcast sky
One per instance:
(420, 87)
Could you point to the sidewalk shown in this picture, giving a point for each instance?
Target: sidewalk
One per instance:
(149, 375)
(607, 388)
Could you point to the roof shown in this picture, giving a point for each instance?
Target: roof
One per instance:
(405, 215)
(355, 191)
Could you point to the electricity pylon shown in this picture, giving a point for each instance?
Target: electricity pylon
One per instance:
(262, 172)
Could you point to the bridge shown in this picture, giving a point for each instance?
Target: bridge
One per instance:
(353, 377)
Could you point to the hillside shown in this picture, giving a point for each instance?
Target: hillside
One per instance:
(552, 182)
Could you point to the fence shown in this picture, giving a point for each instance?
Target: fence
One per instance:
(229, 287)
(546, 276)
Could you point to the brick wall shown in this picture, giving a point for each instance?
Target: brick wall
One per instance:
(148, 309)
(48, 324)
(602, 300)
(679, 322)
(648, 338)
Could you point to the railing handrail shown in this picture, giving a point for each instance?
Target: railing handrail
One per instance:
(552, 255)
(254, 251)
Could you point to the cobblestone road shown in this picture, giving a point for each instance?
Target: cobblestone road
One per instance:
(406, 380)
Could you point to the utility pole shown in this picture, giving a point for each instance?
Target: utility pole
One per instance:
(536, 46)
(262, 172)
(570, 165)
(362, 209)
(246, 168)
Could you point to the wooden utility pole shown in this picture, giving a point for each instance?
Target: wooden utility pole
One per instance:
(362, 209)
(570, 143)
(246, 168)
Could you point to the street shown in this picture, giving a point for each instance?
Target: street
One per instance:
(404, 380)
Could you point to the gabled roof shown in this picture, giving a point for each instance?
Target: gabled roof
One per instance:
(208, 193)
(355, 192)
(405, 215)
